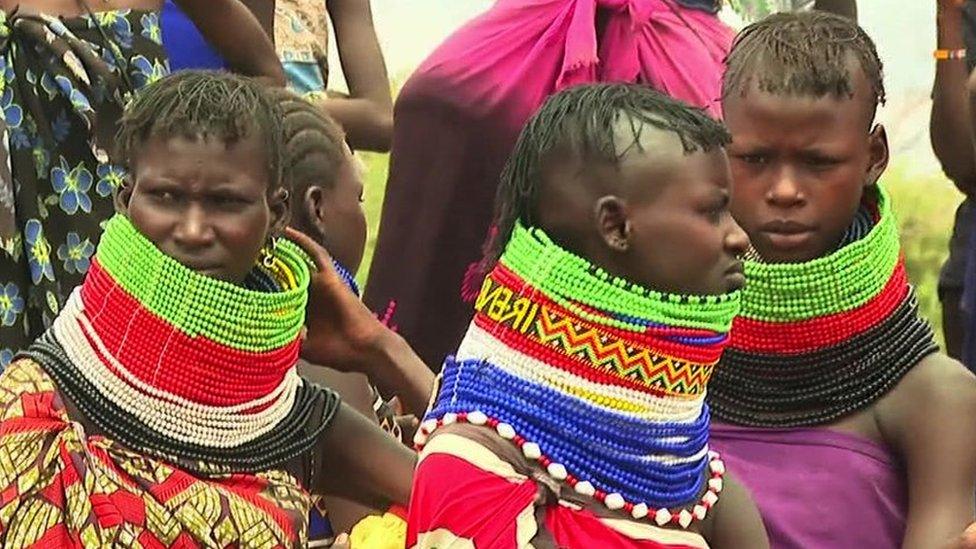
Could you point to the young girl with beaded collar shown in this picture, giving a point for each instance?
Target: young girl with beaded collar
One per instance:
(573, 412)
(163, 408)
(832, 401)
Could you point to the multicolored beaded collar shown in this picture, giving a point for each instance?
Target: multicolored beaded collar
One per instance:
(822, 339)
(185, 366)
(600, 381)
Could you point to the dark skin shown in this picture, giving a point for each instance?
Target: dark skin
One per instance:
(366, 112)
(661, 219)
(950, 129)
(332, 213)
(226, 24)
(209, 205)
(951, 126)
(807, 161)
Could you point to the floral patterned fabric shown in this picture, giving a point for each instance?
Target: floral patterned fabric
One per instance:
(301, 35)
(62, 86)
(61, 488)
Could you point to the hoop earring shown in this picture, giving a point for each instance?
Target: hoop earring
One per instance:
(268, 253)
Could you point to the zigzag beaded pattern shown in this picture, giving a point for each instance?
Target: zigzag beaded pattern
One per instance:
(588, 343)
(600, 381)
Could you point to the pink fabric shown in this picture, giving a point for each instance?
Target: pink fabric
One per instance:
(521, 51)
(459, 114)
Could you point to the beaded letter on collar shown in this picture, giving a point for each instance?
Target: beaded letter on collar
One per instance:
(185, 366)
(822, 339)
(598, 380)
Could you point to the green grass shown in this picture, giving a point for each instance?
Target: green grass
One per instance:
(924, 207)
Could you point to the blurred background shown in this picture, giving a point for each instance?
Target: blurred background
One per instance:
(904, 31)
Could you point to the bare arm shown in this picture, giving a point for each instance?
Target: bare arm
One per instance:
(924, 420)
(367, 113)
(951, 126)
(237, 35)
(847, 8)
(361, 462)
(736, 521)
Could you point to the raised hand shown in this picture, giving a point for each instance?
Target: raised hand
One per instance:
(341, 332)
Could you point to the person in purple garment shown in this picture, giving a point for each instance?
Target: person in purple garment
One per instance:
(832, 403)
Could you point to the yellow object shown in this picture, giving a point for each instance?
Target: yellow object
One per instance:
(373, 532)
(944, 55)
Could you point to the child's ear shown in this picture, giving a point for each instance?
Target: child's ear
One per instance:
(879, 154)
(314, 206)
(123, 194)
(612, 223)
(280, 206)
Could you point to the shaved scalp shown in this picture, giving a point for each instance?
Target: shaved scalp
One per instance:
(597, 125)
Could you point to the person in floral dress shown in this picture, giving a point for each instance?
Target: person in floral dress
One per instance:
(64, 76)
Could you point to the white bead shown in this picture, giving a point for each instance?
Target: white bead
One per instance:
(710, 498)
(717, 466)
(662, 517)
(584, 488)
(614, 501)
(531, 450)
(699, 512)
(419, 438)
(557, 471)
(505, 431)
(449, 418)
(712, 454)
(639, 511)
(428, 426)
(477, 418)
(715, 484)
(684, 518)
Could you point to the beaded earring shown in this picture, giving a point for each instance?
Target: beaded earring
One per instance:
(268, 252)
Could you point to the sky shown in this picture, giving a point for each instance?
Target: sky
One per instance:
(904, 31)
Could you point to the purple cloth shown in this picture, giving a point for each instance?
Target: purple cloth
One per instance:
(818, 488)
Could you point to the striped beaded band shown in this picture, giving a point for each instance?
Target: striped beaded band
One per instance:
(183, 366)
(822, 339)
(600, 381)
(200, 306)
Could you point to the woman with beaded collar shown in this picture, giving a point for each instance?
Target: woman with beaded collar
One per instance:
(832, 401)
(163, 406)
(573, 412)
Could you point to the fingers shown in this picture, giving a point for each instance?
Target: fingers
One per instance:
(321, 258)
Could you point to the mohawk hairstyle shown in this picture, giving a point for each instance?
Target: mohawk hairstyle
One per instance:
(204, 105)
(586, 121)
(314, 145)
(805, 53)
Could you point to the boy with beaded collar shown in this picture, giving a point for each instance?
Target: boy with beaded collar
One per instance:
(573, 412)
(834, 404)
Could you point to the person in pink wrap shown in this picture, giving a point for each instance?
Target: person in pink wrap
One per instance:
(457, 118)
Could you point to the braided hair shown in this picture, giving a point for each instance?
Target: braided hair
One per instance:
(204, 105)
(805, 53)
(314, 145)
(585, 120)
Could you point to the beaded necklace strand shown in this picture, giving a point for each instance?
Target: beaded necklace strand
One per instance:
(185, 367)
(599, 381)
(819, 340)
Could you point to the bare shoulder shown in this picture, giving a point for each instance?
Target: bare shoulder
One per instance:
(937, 389)
(936, 381)
(736, 521)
